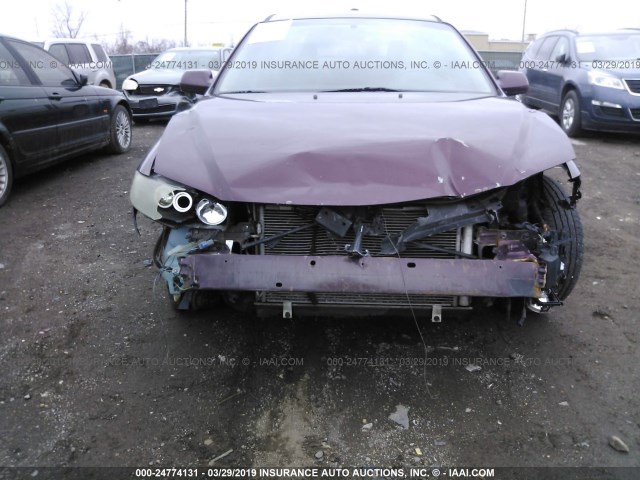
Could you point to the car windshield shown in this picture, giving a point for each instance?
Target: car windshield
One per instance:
(608, 47)
(353, 54)
(187, 60)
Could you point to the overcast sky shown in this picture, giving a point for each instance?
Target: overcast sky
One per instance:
(226, 21)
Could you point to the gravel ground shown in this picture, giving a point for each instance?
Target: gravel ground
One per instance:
(98, 370)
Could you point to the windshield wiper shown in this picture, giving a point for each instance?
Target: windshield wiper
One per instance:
(363, 89)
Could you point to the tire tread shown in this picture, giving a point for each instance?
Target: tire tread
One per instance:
(565, 220)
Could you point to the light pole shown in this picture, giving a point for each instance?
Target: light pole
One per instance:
(524, 19)
(185, 23)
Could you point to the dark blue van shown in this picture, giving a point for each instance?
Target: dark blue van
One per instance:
(591, 81)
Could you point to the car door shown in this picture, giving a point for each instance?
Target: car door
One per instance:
(537, 72)
(28, 120)
(81, 115)
(558, 64)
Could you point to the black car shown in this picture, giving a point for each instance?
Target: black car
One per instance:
(591, 81)
(48, 113)
(155, 93)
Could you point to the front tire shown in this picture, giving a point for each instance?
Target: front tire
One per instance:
(120, 139)
(570, 119)
(6, 176)
(562, 218)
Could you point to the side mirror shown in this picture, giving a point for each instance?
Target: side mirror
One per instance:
(82, 79)
(512, 83)
(562, 58)
(196, 81)
(226, 53)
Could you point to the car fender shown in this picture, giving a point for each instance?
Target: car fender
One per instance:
(7, 142)
(571, 85)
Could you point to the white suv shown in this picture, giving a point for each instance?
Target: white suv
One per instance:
(83, 56)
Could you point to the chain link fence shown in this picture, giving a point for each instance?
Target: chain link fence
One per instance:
(125, 65)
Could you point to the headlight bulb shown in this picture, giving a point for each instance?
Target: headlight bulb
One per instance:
(211, 213)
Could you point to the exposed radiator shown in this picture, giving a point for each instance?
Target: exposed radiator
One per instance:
(358, 299)
(318, 241)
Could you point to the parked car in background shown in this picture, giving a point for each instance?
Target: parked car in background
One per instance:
(591, 81)
(344, 166)
(49, 113)
(84, 57)
(156, 93)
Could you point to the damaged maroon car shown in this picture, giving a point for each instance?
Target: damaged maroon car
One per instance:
(363, 163)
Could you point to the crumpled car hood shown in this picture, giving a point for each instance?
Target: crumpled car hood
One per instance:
(158, 76)
(356, 152)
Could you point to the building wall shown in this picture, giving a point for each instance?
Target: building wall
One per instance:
(481, 42)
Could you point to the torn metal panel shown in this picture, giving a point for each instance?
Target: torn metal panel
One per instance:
(493, 278)
(513, 250)
(490, 237)
(333, 221)
(574, 179)
(169, 266)
(572, 169)
(442, 218)
(355, 249)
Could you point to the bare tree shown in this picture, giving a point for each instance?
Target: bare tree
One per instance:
(122, 45)
(66, 23)
(153, 46)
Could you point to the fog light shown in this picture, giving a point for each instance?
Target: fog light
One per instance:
(598, 103)
(166, 200)
(211, 213)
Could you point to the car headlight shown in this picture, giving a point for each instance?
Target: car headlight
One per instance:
(210, 212)
(602, 79)
(182, 202)
(129, 84)
(166, 200)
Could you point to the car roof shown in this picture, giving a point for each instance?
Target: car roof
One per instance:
(609, 34)
(622, 31)
(10, 37)
(192, 49)
(70, 40)
(353, 13)
(40, 45)
(562, 30)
